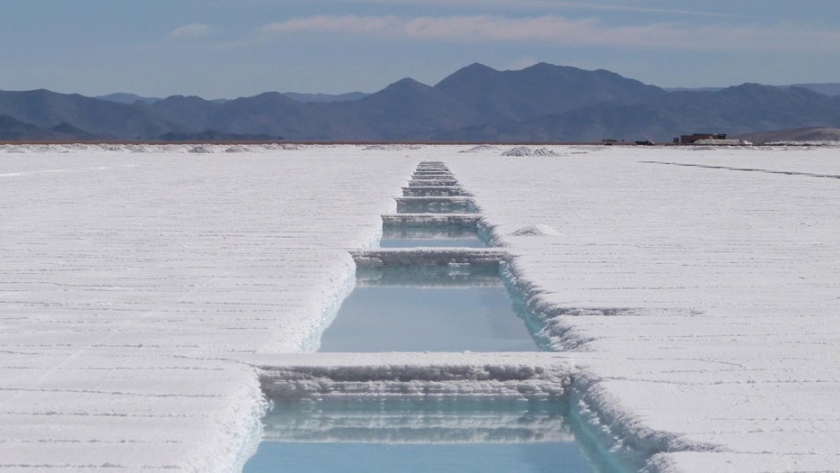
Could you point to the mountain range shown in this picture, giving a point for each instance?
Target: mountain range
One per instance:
(542, 103)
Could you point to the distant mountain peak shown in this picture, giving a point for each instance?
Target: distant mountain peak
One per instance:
(184, 98)
(404, 85)
(472, 72)
(477, 66)
(407, 82)
(545, 65)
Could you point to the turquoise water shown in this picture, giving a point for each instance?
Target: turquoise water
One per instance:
(460, 434)
(473, 242)
(387, 318)
(418, 458)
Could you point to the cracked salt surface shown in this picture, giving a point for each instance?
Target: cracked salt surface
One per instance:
(702, 302)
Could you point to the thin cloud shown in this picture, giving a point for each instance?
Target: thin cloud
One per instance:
(191, 31)
(627, 8)
(560, 30)
(335, 24)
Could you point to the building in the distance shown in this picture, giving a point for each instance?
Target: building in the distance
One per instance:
(690, 139)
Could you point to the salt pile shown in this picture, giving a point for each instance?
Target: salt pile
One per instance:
(526, 151)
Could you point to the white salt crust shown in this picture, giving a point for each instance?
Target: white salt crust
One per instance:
(142, 290)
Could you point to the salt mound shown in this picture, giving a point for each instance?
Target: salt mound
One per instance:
(526, 151)
(237, 149)
(536, 230)
(201, 149)
(479, 149)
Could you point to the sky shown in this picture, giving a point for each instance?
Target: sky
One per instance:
(233, 48)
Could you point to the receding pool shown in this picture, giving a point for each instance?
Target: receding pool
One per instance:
(459, 434)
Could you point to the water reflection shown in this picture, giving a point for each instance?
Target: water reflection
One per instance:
(427, 435)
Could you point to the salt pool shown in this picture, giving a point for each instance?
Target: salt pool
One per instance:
(432, 243)
(436, 318)
(458, 434)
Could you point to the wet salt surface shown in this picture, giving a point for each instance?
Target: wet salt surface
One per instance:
(409, 435)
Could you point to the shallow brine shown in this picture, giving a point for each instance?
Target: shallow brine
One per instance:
(434, 318)
(459, 434)
(466, 242)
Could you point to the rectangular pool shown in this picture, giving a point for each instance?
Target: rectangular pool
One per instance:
(459, 434)
(443, 318)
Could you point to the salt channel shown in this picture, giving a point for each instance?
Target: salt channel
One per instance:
(428, 290)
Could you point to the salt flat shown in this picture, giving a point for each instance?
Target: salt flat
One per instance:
(130, 281)
(140, 287)
(707, 298)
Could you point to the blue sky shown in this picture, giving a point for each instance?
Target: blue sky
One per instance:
(231, 48)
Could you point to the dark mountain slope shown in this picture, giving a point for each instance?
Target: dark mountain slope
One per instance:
(830, 89)
(477, 103)
(190, 113)
(740, 109)
(797, 134)
(12, 129)
(406, 110)
(506, 97)
(753, 107)
(213, 135)
(46, 109)
(271, 114)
